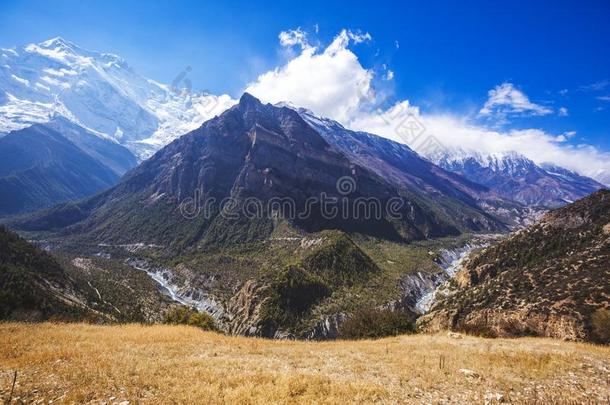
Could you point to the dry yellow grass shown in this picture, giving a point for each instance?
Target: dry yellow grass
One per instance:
(78, 363)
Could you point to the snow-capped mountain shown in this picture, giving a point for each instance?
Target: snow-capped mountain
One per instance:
(516, 177)
(98, 91)
(511, 176)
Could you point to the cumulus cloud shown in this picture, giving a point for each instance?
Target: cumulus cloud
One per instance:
(562, 112)
(333, 83)
(506, 100)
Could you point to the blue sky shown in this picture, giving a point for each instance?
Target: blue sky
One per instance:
(445, 56)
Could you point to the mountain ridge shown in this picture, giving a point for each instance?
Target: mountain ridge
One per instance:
(512, 175)
(39, 167)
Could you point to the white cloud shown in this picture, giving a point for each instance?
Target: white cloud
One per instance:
(358, 36)
(333, 83)
(565, 136)
(505, 99)
(562, 112)
(294, 37)
(457, 133)
(569, 134)
(604, 98)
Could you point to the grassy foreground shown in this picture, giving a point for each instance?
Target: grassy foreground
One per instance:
(70, 363)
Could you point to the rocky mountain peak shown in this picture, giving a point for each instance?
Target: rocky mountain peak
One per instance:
(248, 101)
(58, 42)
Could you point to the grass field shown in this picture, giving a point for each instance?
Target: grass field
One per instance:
(79, 363)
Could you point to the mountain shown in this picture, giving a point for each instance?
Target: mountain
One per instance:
(515, 177)
(39, 168)
(261, 153)
(548, 279)
(256, 218)
(106, 151)
(402, 166)
(99, 92)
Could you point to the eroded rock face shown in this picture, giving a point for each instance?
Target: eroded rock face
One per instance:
(499, 323)
(245, 308)
(328, 328)
(545, 280)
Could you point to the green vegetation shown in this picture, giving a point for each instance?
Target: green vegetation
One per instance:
(292, 293)
(181, 315)
(337, 259)
(600, 322)
(33, 286)
(374, 323)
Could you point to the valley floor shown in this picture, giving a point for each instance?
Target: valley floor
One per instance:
(69, 363)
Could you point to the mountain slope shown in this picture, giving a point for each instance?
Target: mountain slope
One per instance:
(547, 279)
(106, 151)
(36, 286)
(399, 164)
(32, 284)
(39, 168)
(282, 303)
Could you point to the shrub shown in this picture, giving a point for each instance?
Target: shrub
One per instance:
(600, 323)
(292, 293)
(373, 323)
(477, 328)
(188, 316)
(516, 328)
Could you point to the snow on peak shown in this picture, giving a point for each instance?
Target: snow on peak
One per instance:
(338, 134)
(56, 42)
(497, 161)
(98, 91)
(321, 123)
